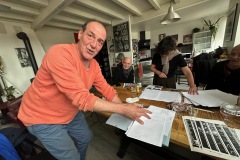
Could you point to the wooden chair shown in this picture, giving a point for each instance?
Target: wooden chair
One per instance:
(13, 107)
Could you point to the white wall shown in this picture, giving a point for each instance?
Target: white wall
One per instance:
(49, 36)
(16, 75)
(186, 28)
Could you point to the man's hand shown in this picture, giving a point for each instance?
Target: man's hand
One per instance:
(134, 111)
(193, 90)
(162, 75)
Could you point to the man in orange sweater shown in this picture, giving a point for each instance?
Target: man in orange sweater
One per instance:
(52, 106)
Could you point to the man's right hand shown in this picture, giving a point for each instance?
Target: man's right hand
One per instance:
(134, 111)
(162, 75)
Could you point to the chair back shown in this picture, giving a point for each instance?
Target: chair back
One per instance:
(202, 71)
(13, 107)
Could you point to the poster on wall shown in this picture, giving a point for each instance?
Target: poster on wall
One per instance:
(23, 57)
(121, 37)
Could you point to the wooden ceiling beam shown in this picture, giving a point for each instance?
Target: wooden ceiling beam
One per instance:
(128, 6)
(99, 8)
(155, 4)
(53, 9)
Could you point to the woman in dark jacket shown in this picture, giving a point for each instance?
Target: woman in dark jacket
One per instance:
(165, 64)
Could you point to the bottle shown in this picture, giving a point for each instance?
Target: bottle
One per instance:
(138, 89)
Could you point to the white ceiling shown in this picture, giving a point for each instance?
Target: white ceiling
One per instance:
(71, 14)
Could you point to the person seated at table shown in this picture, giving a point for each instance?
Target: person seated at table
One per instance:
(124, 72)
(225, 75)
(165, 64)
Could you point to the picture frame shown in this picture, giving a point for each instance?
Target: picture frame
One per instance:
(187, 38)
(23, 57)
(161, 36)
(230, 23)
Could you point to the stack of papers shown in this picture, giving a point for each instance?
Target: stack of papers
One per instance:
(211, 98)
(212, 137)
(152, 92)
(155, 131)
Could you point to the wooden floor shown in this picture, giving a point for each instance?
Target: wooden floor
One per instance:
(106, 142)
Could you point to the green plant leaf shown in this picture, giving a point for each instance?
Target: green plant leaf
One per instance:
(217, 20)
(205, 21)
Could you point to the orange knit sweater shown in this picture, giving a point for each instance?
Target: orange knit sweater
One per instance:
(61, 88)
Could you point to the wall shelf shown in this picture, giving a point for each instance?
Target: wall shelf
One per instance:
(202, 40)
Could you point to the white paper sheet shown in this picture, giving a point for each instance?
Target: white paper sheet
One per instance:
(212, 98)
(119, 121)
(157, 95)
(153, 130)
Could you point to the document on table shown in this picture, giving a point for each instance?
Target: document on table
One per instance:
(119, 121)
(158, 95)
(155, 131)
(212, 137)
(211, 98)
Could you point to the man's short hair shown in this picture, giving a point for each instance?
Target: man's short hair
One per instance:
(84, 26)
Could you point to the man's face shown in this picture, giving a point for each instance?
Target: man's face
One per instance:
(234, 56)
(126, 63)
(91, 40)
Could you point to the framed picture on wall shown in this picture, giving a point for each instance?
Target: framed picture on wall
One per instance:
(187, 38)
(230, 23)
(161, 36)
(23, 57)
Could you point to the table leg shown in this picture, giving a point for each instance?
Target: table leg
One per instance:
(125, 142)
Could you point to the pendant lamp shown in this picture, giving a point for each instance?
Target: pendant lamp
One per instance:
(171, 16)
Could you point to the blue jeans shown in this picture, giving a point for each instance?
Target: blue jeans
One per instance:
(65, 141)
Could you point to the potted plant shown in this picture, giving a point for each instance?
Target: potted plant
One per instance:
(212, 26)
(10, 93)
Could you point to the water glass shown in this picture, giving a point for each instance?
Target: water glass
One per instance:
(192, 111)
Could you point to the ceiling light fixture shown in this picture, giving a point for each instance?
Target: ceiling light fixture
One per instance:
(171, 16)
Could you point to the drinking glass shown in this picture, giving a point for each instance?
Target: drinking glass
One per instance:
(178, 107)
(192, 111)
(229, 113)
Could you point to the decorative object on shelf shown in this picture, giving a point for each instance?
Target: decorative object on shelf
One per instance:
(10, 93)
(212, 26)
(230, 23)
(195, 30)
(171, 16)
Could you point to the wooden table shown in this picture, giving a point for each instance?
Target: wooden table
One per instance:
(178, 133)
